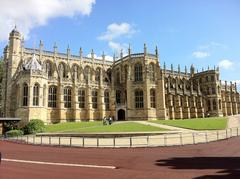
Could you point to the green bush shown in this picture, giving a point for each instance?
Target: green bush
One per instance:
(34, 126)
(11, 125)
(14, 133)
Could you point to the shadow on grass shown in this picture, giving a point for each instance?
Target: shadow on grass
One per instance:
(229, 166)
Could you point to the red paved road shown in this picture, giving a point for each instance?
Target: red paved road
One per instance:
(213, 160)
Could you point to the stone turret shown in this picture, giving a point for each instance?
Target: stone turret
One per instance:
(103, 57)
(156, 52)
(55, 48)
(185, 70)
(40, 45)
(80, 53)
(145, 49)
(192, 70)
(14, 51)
(121, 53)
(129, 50)
(92, 55)
(68, 51)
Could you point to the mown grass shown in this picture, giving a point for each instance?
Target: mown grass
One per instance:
(213, 123)
(68, 126)
(92, 127)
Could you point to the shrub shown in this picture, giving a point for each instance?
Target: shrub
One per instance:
(11, 125)
(14, 133)
(34, 126)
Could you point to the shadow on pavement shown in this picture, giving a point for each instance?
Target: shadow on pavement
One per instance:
(229, 166)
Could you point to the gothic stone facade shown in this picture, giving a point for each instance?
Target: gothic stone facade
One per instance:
(56, 87)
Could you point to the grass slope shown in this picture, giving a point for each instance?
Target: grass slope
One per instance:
(216, 123)
(88, 127)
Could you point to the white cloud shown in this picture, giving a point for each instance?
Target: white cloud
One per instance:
(95, 56)
(27, 14)
(107, 57)
(236, 81)
(117, 47)
(115, 30)
(225, 64)
(200, 54)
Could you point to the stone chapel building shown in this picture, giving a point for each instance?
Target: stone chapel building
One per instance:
(57, 87)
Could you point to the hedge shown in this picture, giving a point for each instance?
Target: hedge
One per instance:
(34, 126)
(14, 133)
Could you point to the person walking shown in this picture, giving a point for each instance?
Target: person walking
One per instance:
(105, 121)
(110, 120)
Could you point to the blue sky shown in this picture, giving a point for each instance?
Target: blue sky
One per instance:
(200, 32)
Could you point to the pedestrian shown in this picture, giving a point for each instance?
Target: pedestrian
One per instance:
(110, 120)
(105, 121)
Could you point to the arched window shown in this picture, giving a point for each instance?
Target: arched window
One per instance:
(36, 95)
(206, 78)
(126, 72)
(52, 97)
(87, 73)
(81, 98)
(214, 104)
(212, 78)
(173, 101)
(94, 99)
(67, 97)
(138, 72)
(118, 97)
(213, 90)
(220, 104)
(109, 74)
(219, 90)
(118, 77)
(106, 100)
(166, 100)
(62, 70)
(151, 72)
(49, 69)
(25, 94)
(209, 105)
(153, 98)
(172, 83)
(166, 83)
(139, 99)
(44, 95)
(97, 75)
(208, 91)
(181, 101)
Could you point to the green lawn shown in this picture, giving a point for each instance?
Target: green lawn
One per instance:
(88, 127)
(71, 126)
(198, 123)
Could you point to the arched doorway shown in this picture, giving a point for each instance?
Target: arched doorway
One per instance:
(121, 115)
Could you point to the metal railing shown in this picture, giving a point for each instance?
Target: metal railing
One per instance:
(175, 139)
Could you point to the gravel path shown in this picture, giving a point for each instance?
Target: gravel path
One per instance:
(233, 121)
(165, 126)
